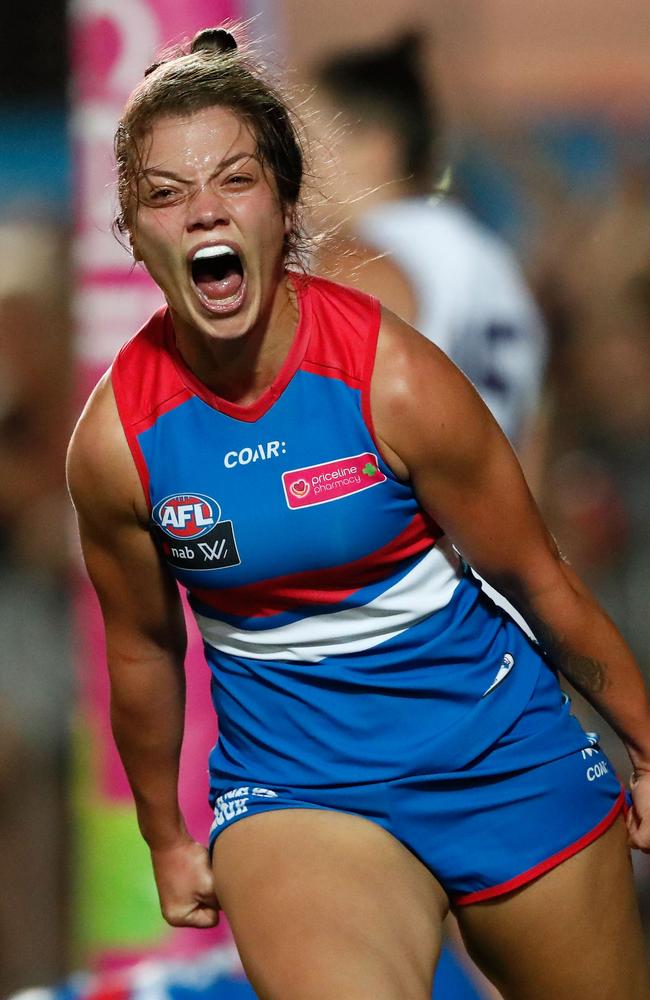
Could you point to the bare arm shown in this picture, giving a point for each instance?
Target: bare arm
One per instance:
(145, 642)
(436, 430)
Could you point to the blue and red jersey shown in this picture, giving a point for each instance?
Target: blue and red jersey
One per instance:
(344, 636)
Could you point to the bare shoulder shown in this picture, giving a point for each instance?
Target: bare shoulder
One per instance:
(362, 266)
(101, 474)
(424, 408)
(138, 596)
(439, 434)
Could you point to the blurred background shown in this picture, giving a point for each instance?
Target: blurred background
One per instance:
(543, 138)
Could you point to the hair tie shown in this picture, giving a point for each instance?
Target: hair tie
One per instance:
(213, 40)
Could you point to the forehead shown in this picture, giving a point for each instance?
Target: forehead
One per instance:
(204, 137)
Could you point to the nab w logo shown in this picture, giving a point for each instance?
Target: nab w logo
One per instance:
(192, 535)
(184, 516)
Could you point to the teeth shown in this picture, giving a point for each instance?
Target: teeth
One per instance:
(216, 251)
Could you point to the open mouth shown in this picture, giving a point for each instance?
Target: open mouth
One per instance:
(218, 275)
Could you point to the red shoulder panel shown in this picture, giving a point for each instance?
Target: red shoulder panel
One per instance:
(146, 384)
(343, 342)
(344, 329)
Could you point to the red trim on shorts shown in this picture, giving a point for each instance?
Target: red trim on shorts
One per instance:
(545, 866)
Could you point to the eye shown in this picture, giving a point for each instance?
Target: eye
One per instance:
(239, 180)
(161, 194)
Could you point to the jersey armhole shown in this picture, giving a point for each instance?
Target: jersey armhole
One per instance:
(127, 427)
(366, 376)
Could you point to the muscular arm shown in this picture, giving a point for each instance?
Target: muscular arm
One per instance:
(145, 642)
(436, 431)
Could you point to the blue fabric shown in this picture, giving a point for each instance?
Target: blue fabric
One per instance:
(415, 704)
(477, 819)
(315, 420)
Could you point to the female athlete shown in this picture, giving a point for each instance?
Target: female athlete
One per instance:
(323, 480)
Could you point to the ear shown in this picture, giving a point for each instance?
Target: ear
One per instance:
(137, 256)
(289, 217)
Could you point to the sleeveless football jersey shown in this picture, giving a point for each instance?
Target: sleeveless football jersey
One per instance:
(346, 641)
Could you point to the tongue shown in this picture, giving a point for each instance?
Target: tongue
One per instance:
(223, 288)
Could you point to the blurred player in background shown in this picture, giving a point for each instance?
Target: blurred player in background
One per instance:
(456, 281)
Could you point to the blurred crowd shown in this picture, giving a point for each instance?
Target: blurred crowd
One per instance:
(36, 668)
(592, 276)
(584, 253)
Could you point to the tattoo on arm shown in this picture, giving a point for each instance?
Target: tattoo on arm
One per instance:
(587, 675)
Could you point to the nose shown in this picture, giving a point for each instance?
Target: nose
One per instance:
(207, 210)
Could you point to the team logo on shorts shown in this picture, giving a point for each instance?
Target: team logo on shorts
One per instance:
(235, 803)
(328, 481)
(230, 804)
(597, 768)
(191, 534)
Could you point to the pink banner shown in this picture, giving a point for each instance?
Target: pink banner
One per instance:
(112, 44)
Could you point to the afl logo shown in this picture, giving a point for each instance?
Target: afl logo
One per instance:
(187, 515)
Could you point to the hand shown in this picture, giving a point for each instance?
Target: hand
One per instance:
(185, 885)
(638, 817)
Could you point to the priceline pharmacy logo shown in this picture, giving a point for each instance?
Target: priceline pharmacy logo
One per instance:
(316, 484)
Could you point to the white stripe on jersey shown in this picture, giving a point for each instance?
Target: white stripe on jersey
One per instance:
(426, 588)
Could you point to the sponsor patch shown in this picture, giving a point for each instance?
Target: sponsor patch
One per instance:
(191, 534)
(261, 452)
(328, 481)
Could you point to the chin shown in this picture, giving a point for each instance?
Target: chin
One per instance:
(228, 326)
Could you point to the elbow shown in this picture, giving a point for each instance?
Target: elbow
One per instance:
(531, 588)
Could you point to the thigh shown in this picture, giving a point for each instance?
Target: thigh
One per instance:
(326, 905)
(575, 931)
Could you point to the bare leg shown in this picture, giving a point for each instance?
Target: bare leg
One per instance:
(328, 906)
(573, 932)
(455, 942)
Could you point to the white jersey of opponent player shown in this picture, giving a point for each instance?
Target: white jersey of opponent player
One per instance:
(473, 301)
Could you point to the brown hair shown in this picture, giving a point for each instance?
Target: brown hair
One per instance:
(213, 71)
(387, 85)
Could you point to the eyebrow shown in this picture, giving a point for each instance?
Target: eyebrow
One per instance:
(162, 172)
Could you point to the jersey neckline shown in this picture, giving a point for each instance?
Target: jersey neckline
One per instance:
(263, 403)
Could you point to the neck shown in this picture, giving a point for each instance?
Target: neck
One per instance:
(239, 370)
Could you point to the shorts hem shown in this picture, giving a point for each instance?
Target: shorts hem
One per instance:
(269, 806)
(481, 895)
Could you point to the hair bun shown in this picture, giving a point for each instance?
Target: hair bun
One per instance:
(213, 40)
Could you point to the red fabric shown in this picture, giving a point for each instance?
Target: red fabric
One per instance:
(545, 866)
(149, 375)
(146, 385)
(323, 586)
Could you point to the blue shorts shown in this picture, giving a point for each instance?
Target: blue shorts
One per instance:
(480, 837)
(483, 829)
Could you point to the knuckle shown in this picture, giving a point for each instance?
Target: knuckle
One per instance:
(173, 915)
